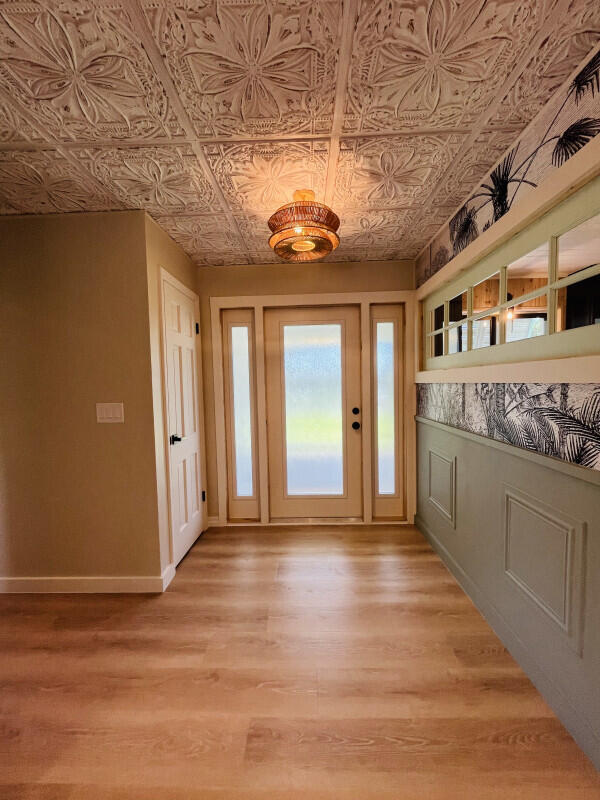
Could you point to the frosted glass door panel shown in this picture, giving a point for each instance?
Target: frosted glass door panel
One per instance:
(242, 411)
(312, 360)
(387, 328)
(314, 439)
(386, 409)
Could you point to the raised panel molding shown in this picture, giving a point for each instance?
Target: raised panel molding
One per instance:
(442, 485)
(544, 559)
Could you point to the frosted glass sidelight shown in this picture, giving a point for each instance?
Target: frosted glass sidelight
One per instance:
(242, 410)
(386, 409)
(313, 409)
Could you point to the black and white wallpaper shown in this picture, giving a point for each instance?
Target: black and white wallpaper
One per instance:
(560, 130)
(555, 419)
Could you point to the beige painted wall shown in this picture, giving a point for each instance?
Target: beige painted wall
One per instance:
(162, 251)
(77, 498)
(281, 279)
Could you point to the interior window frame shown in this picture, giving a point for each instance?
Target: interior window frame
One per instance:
(475, 275)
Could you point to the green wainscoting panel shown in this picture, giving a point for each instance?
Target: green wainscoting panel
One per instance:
(524, 542)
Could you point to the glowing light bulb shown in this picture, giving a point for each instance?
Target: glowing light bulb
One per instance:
(298, 230)
(509, 314)
(303, 246)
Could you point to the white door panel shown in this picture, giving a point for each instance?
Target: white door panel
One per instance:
(182, 414)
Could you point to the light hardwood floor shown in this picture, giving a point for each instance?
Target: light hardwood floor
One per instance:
(281, 663)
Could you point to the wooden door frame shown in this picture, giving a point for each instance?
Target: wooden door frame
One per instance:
(166, 277)
(364, 300)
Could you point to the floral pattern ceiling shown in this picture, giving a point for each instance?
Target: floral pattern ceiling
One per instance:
(208, 114)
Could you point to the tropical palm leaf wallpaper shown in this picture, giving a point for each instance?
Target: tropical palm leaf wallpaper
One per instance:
(561, 420)
(563, 128)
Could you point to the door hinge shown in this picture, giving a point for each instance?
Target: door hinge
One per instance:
(197, 328)
(203, 495)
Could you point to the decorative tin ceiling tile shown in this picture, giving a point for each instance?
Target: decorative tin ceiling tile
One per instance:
(261, 176)
(255, 231)
(348, 254)
(198, 234)
(389, 172)
(14, 128)
(265, 256)
(428, 63)
(44, 182)
(374, 229)
(559, 54)
(466, 171)
(205, 258)
(162, 180)
(6, 207)
(78, 67)
(253, 68)
(102, 103)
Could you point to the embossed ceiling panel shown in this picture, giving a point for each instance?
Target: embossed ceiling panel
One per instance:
(391, 172)
(163, 180)
(14, 128)
(251, 68)
(210, 113)
(550, 65)
(43, 182)
(260, 176)
(433, 63)
(80, 70)
(467, 170)
(208, 239)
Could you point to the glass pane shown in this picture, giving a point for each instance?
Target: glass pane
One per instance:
(578, 305)
(485, 331)
(386, 409)
(457, 339)
(526, 320)
(242, 413)
(437, 323)
(313, 409)
(457, 308)
(579, 248)
(528, 273)
(486, 294)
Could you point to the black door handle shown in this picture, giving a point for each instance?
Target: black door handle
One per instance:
(174, 438)
(356, 425)
(356, 410)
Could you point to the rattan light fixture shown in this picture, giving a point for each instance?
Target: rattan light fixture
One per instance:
(304, 230)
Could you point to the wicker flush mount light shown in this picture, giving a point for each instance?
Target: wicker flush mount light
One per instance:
(304, 230)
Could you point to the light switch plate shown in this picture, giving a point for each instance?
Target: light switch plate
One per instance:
(110, 412)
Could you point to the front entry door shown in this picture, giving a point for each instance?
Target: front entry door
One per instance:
(314, 412)
(180, 316)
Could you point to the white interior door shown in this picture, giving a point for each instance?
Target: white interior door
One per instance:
(314, 412)
(181, 313)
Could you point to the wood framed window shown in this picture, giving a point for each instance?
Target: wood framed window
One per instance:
(532, 298)
(240, 413)
(387, 332)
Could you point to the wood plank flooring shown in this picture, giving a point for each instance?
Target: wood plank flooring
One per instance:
(288, 663)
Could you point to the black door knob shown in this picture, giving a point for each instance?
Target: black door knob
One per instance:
(356, 425)
(356, 410)
(174, 438)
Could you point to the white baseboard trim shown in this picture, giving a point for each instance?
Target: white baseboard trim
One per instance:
(90, 584)
(167, 576)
